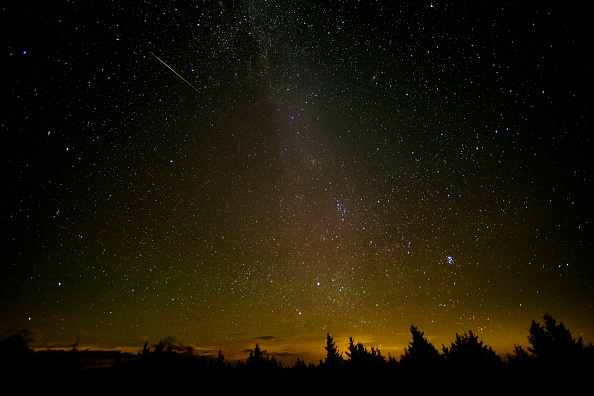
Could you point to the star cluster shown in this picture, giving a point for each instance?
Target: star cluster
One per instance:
(346, 167)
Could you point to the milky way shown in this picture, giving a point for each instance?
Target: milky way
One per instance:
(345, 167)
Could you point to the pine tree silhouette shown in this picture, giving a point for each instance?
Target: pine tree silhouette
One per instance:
(420, 352)
(333, 357)
(552, 344)
(220, 361)
(468, 352)
(519, 358)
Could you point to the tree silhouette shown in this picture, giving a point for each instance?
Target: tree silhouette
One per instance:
(145, 351)
(468, 352)
(256, 359)
(16, 344)
(376, 358)
(519, 358)
(333, 357)
(159, 348)
(220, 361)
(300, 365)
(359, 357)
(255, 355)
(420, 351)
(15, 354)
(354, 352)
(552, 344)
(239, 366)
(552, 355)
(73, 359)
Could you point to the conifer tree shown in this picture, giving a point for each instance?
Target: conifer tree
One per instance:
(469, 352)
(333, 357)
(553, 343)
(220, 361)
(420, 351)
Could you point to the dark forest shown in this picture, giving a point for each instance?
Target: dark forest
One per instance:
(553, 358)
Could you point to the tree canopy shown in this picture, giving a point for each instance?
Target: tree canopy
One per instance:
(468, 351)
(550, 345)
(420, 351)
(333, 356)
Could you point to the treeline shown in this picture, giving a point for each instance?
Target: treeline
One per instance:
(553, 354)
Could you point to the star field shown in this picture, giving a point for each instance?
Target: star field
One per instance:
(345, 167)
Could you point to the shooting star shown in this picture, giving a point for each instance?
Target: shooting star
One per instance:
(176, 73)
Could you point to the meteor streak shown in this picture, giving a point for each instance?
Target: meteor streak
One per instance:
(176, 73)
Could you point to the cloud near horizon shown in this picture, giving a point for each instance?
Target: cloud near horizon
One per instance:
(267, 338)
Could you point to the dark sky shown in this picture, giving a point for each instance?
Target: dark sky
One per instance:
(231, 173)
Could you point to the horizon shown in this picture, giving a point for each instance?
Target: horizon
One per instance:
(277, 347)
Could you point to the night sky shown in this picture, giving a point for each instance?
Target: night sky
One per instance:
(228, 173)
